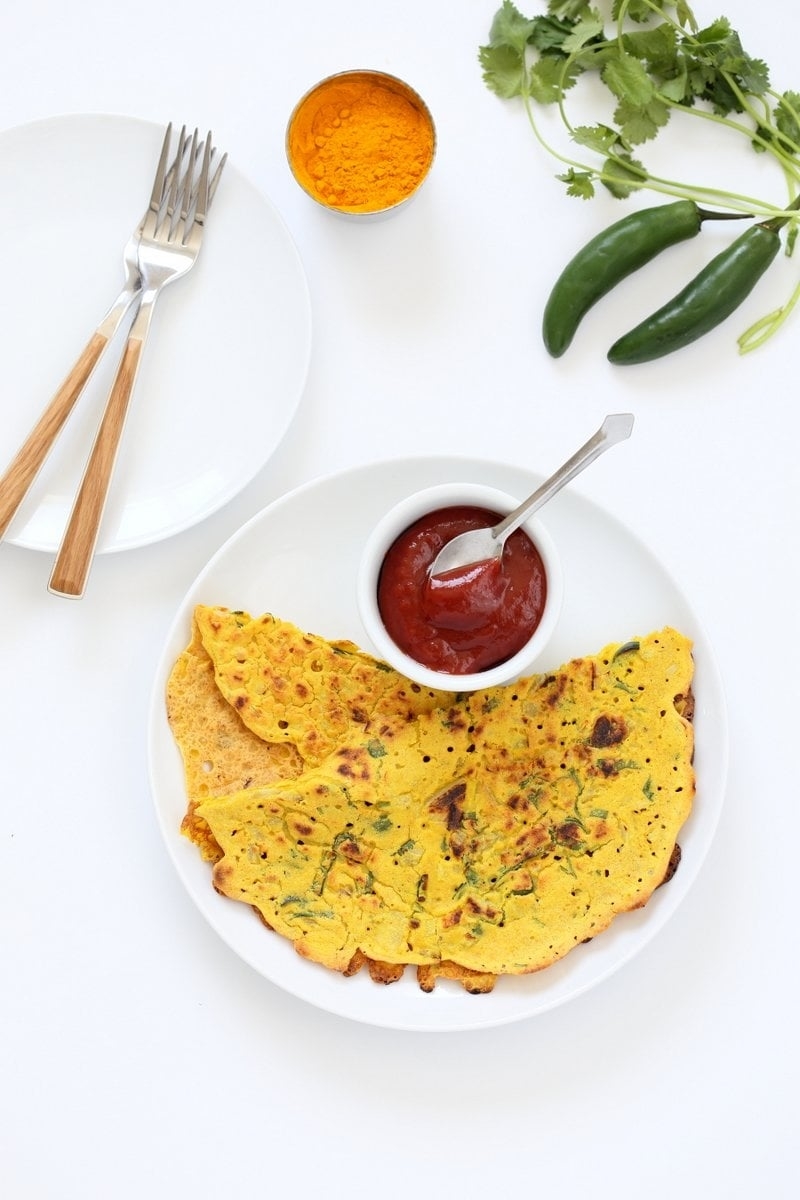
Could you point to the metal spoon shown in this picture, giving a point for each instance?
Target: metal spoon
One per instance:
(482, 545)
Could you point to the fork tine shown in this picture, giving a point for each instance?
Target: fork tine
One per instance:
(157, 194)
(174, 189)
(203, 184)
(184, 142)
(164, 183)
(188, 178)
(212, 185)
(215, 169)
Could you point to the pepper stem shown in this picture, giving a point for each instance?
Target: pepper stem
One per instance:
(708, 214)
(776, 223)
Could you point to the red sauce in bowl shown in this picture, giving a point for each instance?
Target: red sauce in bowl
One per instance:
(467, 620)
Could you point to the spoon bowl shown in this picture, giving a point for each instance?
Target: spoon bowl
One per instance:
(482, 545)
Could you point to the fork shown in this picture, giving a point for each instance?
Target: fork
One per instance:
(168, 247)
(23, 469)
(25, 466)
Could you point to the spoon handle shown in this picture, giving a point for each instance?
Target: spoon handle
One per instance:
(616, 428)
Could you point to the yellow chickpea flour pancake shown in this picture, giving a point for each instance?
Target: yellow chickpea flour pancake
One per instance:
(296, 687)
(220, 754)
(487, 836)
(253, 700)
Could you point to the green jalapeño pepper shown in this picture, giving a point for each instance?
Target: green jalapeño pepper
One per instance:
(609, 257)
(706, 300)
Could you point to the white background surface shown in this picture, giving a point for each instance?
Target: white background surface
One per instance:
(139, 1055)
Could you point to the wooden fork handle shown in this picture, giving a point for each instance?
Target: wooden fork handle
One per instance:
(76, 552)
(25, 466)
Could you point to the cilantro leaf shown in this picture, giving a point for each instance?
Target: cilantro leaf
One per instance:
(675, 87)
(510, 28)
(637, 10)
(626, 77)
(643, 10)
(685, 15)
(585, 30)
(600, 138)
(504, 70)
(787, 117)
(549, 33)
(640, 122)
(550, 77)
(579, 183)
(715, 35)
(571, 10)
(754, 76)
(657, 48)
(623, 175)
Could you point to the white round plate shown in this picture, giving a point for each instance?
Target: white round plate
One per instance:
(226, 359)
(298, 559)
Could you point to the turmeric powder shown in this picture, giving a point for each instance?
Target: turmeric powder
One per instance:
(360, 142)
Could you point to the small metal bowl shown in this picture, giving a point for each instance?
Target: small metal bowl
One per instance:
(361, 143)
(398, 519)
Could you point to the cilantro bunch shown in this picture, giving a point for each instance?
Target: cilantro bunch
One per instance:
(657, 65)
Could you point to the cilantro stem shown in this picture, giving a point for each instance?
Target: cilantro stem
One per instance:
(700, 193)
(762, 330)
(790, 169)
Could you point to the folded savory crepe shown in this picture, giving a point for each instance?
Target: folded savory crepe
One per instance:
(470, 836)
(296, 687)
(220, 754)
